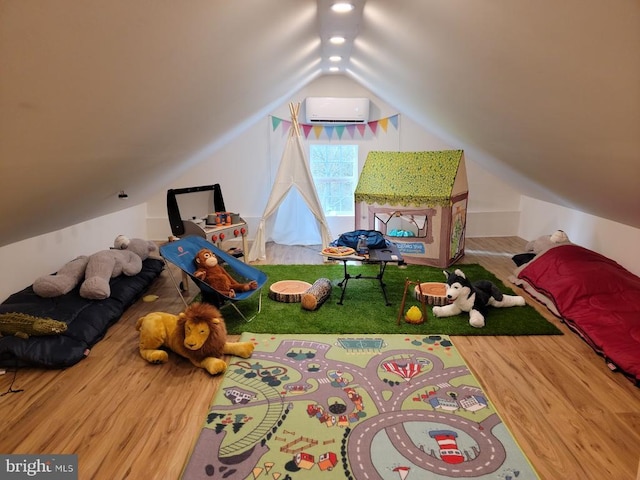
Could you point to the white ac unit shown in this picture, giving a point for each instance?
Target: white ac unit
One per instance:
(334, 110)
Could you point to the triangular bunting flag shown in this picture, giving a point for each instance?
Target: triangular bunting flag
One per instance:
(275, 121)
(329, 130)
(394, 121)
(384, 122)
(373, 126)
(306, 129)
(361, 128)
(286, 126)
(340, 131)
(317, 129)
(351, 129)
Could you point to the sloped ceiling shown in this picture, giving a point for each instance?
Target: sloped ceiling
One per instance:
(101, 96)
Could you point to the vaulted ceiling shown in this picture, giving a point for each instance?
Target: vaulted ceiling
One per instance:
(98, 96)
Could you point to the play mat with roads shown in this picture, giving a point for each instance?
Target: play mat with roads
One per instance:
(353, 407)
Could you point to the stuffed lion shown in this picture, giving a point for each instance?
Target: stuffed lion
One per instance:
(198, 334)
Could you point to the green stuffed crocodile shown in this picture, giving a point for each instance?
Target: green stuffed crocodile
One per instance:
(23, 325)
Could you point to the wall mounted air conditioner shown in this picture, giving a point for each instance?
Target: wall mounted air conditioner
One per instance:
(334, 110)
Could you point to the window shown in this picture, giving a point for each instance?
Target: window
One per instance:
(335, 174)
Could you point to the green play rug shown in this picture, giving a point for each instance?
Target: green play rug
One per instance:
(364, 309)
(340, 407)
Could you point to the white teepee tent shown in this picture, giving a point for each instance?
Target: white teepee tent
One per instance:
(293, 172)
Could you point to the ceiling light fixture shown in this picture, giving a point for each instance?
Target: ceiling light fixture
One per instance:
(334, 69)
(335, 58)
(337, 40)
(342, 7)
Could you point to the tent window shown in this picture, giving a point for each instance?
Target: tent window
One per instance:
(335, 174)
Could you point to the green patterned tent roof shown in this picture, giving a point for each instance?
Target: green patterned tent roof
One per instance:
(409, 178)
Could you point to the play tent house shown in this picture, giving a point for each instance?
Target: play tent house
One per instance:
(418, 200)
(293, 172)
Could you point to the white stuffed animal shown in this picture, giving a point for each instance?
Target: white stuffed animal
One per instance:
(474, 298)
(545, 242)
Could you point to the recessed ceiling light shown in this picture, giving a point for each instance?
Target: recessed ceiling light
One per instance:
(342, 7)
(334, 69)
(335, 58)
(337, 40)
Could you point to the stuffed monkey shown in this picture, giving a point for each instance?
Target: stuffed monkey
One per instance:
(210, 272)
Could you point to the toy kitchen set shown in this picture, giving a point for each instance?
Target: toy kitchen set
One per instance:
(217, 227)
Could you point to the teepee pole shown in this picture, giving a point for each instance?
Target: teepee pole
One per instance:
(294, 109)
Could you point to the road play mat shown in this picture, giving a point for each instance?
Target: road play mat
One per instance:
(331, 407)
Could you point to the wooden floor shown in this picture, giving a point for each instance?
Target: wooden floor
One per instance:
(125, 418)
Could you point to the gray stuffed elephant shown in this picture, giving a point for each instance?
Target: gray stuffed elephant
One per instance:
(125, 258)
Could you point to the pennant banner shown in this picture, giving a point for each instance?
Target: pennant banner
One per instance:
(337, 132)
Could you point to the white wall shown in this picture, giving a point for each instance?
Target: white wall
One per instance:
(244, 168)
(23, 262)
(614, 240)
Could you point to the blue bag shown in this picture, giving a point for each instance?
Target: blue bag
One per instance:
(375, 239)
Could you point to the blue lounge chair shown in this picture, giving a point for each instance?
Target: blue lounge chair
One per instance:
(182, 253)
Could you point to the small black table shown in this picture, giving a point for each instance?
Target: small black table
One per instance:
(379, 256)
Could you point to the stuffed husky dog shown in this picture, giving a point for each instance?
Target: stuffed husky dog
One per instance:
(474, 298)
